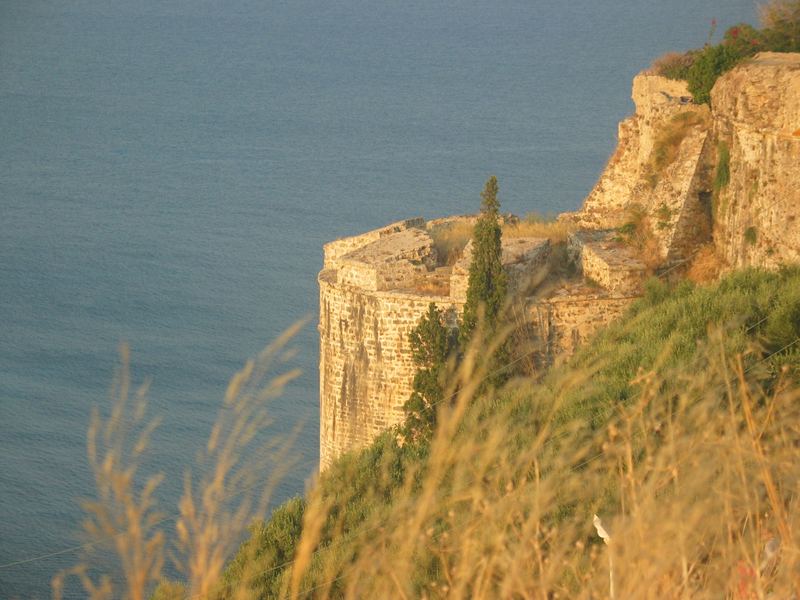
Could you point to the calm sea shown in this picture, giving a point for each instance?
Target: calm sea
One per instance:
(169, 170)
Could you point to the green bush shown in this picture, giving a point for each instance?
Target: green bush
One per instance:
(710, 63)
(270, 546)
(781, 20)
(701, 68)
(783, 323)
(433, 343)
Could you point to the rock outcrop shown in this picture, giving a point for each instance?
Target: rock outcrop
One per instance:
(756, 109)
(681, 176)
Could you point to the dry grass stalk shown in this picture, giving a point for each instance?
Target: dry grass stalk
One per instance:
(670, 64)
(213, 514)
(213, 517)
(536, 226)
(638, 234)
(668, 142)
(123, 512)
(449, 240)
(706, 266)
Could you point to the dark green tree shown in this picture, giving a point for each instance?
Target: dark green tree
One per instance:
(432, 344)
(487, 284)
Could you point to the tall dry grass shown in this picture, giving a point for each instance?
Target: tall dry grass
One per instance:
(696, 488)
(694, 479)
(706, 265)
(538, 226)
(124, 512)
(238, 472)
(668, 142)
(450, 239)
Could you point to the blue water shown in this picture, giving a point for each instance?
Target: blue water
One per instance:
(169, 170)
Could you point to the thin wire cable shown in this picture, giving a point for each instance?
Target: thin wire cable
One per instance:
(108, 538)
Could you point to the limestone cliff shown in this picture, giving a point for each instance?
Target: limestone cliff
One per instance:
(731, 173)
(757, 120)
(682, 175)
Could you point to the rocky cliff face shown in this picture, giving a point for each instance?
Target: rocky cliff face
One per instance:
(656, 172)
(756, 110)
(681, 176)
(691, 174)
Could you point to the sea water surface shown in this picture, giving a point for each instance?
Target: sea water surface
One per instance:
(169, 171)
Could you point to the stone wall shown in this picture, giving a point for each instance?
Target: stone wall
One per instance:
(572, 315)
(754, 219)
(375, 287)
(366, 368)
(657, 100)
(670, 200)
(613, 267)
(332, 251)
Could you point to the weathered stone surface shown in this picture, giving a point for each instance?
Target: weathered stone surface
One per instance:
(338, 248)
(394, 261)
(657, 99)
(606, 262)
(571, 315)
(674, 201)
(366, 367)
(756, 109)
(613, 267)
(522, 257)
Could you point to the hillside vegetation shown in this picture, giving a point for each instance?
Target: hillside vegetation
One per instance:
(779, 32)
(678, 426)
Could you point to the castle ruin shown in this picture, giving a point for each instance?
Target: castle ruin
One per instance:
(375, 287)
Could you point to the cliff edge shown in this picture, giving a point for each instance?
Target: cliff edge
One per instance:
(684, 177)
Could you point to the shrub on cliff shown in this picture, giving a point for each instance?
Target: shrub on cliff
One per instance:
(780, 32)
(433, 343)
(781, 20)
(713, 61)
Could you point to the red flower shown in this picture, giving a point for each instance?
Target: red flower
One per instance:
(734, 32)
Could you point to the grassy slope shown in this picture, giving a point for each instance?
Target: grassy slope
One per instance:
(664, 335)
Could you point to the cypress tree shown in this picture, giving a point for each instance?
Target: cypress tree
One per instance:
(487, 284)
